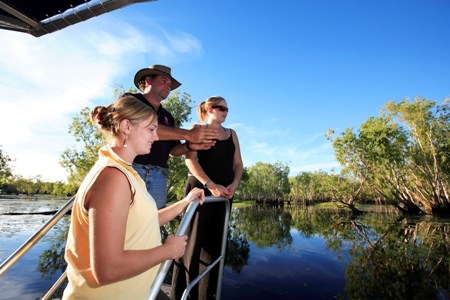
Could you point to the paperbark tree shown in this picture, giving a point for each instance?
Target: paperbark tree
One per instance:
(266, 182)
(403, 154)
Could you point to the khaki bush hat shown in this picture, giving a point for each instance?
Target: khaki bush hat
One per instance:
(155, 70)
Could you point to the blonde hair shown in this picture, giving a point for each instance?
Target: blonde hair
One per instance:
(108, 118)
(202, 108)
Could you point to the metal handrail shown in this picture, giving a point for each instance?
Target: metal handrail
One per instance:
(55, 286)
(22, 250)
(182, 229)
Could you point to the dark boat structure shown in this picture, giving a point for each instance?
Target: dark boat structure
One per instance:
(43, 17)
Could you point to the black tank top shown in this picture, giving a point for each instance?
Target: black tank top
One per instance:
(217, 162)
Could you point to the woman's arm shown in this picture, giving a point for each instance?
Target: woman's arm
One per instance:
(168, 213)
(196, 170)
(108, 202)
(237, 165)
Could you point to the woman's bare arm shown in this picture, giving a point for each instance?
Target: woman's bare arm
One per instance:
(108, 202)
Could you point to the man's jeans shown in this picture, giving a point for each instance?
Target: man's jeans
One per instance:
(155, 179)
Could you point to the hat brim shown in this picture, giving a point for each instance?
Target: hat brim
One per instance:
(147, 72)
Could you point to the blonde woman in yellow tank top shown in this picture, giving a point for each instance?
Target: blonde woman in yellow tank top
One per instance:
(114, 248)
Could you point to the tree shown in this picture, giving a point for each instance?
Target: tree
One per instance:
(5, 168)
(428, 176)
(265, 227)
(309, 187)
(345, 190)
(402, 154)
(180, 107)
(266, 182)
(78, 161)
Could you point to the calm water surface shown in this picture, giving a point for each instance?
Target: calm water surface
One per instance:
(274, 253)
(38, 269)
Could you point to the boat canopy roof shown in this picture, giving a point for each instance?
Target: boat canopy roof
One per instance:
(42, 17)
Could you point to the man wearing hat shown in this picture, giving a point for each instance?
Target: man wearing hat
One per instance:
(155, 83)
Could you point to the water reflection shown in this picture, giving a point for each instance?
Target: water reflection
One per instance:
(390, 256)
(37, 270)
(307, 252)
(409, 260)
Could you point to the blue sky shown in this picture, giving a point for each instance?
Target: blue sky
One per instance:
(289, 70)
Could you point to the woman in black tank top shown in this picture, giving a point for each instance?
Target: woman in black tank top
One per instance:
(218, 171)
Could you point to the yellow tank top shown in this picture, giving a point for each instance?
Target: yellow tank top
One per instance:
(142, 232)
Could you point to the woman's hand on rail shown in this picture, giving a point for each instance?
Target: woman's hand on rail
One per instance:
(175, 245)
(194, 194)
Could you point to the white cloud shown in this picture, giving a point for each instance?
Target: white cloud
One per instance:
(300, 152)
(45, 81)
(289, 152)
(184, 43)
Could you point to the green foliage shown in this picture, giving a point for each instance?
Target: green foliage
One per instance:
(266, 182)
(309, 187)
(180, 109)
(179, 106)
(403, 154)
(77, 161)
(264, 226)
(33, 186)
(408, 262)
(51, 260)
(238, 247)
(5, 168)
(176, 179)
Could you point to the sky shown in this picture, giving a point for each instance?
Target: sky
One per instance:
(289, 70)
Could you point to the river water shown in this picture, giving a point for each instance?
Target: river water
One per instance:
(273, 253)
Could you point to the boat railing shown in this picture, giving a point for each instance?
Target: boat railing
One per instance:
(27, 245)
(165, 266)
(182, 229)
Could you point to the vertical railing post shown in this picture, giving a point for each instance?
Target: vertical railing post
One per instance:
(165, 266)
(184, 225)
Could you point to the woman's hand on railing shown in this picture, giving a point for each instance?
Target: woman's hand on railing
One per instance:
(194, 194)
(175, 246)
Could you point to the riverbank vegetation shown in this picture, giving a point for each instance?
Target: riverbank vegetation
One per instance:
(13, 184)
(400, 158)
(403, 155)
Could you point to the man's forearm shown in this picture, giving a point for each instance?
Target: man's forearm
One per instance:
(199, 135)
(166, 133)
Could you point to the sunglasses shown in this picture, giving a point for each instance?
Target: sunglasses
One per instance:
(220, 107)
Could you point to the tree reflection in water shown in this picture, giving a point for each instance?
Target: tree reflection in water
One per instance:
(391, 256)
(404, 260)
(51, 262)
